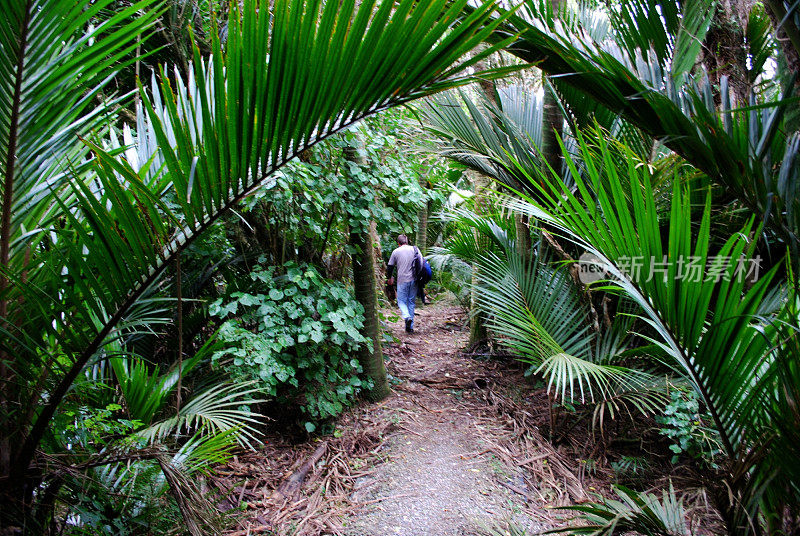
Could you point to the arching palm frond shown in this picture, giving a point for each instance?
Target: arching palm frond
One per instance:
(217, 410)
(285, 79)
(706, 322)
(56, 59)
(537, 312)
(738, 148)
(473, 235)
(481, 138)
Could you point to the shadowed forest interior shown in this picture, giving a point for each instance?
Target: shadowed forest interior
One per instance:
(199, 199)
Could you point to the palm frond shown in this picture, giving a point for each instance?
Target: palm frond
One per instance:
(736, 147)
(284, 80)
(472, 235)
(482, 137)
(144, 389)
(217, 410)
(56, 61)
(537, 312)
(718, 343)
(640, 512)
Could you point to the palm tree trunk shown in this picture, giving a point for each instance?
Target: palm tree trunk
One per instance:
(552, 119)
(553, 127)
(422, 221)
(480, 183)
(377, 254)
(725, 50)
(370, 356)
(477, 325)
(524, 243)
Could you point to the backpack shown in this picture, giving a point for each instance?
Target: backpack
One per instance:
(421, 268)
(426, 274)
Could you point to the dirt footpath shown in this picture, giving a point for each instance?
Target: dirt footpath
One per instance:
(440, 476)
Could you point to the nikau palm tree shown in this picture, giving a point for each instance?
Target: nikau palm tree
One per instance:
(640, 71)
(88, 231)
(632, 81)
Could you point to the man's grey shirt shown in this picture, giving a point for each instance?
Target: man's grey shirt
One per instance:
(403, 259)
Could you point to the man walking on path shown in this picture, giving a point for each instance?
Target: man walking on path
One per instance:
(403, 259)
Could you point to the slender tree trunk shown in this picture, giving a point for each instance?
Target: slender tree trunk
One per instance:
(489, 91)
(179, 295)
(789, 41)
(524, 242)
(487, 87)
(553, 127)
(422, 229)
(477, 325)
(370, 356)
(480, 183)
(552, 119)
(377, 254)
(725, 50)
(422, 221)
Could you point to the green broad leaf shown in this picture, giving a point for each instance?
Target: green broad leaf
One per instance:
(317, 336)
(310, 427)
(276, 294)
(248, 299)
(224, 310)
(353, 333)
(266, 309)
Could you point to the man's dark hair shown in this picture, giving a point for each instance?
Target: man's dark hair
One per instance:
(402, 239)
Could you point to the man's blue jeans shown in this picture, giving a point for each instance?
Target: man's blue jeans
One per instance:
(406, 296)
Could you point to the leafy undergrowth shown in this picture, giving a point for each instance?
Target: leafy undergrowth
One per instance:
(294, 339)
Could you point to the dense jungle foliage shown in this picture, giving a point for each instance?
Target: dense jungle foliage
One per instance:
(199, 198)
